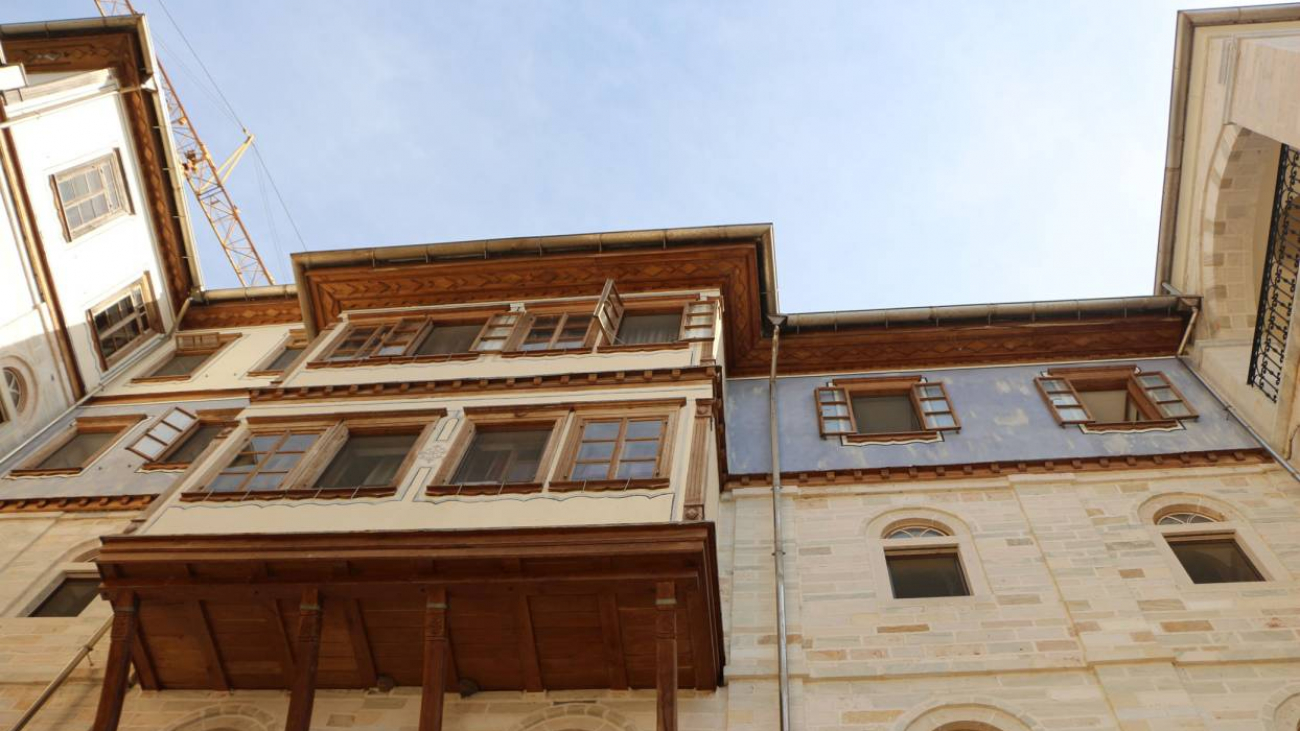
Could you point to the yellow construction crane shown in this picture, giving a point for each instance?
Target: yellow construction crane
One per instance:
(206, 178)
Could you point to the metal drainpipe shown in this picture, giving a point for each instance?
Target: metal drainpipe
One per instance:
(778, 538)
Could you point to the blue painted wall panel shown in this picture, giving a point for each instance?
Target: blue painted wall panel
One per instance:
(1002, 415)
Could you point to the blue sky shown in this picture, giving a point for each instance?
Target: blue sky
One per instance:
(917, 153)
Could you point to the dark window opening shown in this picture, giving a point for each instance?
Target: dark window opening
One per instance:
(916, 576)
(284, 359)
(649, 328)
(69, 600)
(194, 444)
(503, 456)
(449, 339)
(1214, 561)
(367, 460)
(77, 451)
(181, 364)
(892, 414)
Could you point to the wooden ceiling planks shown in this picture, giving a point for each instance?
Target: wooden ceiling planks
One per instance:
(534, 609)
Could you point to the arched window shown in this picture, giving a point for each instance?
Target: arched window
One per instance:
(916, 531)
(1206, 546)
(1183, 518)
(16, 387)
(923, 560)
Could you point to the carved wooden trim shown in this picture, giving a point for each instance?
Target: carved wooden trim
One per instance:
(85, 504)
(697, 470)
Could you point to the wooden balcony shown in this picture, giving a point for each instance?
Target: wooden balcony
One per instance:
(532, 609)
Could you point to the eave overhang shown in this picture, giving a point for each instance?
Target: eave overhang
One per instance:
(527, 609)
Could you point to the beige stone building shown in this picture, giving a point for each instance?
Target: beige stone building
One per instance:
(529, 484)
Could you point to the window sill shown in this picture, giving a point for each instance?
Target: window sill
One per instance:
(59, 472)
(891, 437)
(161, 379)
(649, 483)
(509, 488)
(1129, 425)
(543, 353)
(640, 347)
(164, 467)
(263, 374)
(389, 360)
(333, 493)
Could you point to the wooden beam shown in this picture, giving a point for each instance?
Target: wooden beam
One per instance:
(527, 643)
(143, 663)
(202, 630)
(308, 651)
(665, 656)
(282, 643)
(360, 643)
(612, 634)
(113, 692)
(435, 660)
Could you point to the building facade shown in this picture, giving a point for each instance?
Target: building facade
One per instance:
(536, 484)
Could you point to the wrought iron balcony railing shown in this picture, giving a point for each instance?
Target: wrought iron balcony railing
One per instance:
(1277, 291)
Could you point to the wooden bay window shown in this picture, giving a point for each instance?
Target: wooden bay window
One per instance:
(1113, 398)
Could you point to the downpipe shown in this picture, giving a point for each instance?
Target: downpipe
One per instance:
(778, 536)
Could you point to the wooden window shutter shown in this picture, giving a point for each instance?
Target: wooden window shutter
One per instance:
(934, 407)
(609, 313)
(1063, 400)
(397, 338)
(1164, 396)
(834, 414)
(496, 333)
(166, 432)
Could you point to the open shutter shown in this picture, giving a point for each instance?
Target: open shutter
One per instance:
(1064, 400)
(1166, 398)
(398, 337)
(166, 432)
(935, 407)
(834, 414)
(697, 321)
(358, 342)
(496, 333)
(609, 313)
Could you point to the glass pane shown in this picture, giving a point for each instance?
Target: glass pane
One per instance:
(831, 411)
(70, 599)
(643, 329)
(194, 444)
(265, 442)
(940, 421)
(934, 406)
(1175, 409)
(503, 456)
(298, 442)
(179, 419)
(590, 471)
(1162, 394)
(286, 357)
(281, 462)
(181, 365)
(367, 460)
(644, 429)
(635, 470)
(150, 447)
(1150, 381)
(838, 426)
(648, 449)
(600, 430)
(596, 451)
(885, 414)
(265, 481)
(932, 575)
(1063, 399)
(77, 451)
(931, 392)
(226, 483)
(446, 339)
(1052, 385)
(825, 396)
(1215, 561)
(1071, 414)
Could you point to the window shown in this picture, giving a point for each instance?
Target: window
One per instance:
(123, 322)
(16, 388)
(565, 331)
(179, 437)
(496, 334)
(619, 449)
(70, 599)
(449, 339)
(368, 460)
(500, 456)
(923, 560)
(885, 409)
(265, 462)
(287, 354)
(1112, 398)
(1206, 546)
(90, 195)
(649, 328)
(192, 351)
(78, 446)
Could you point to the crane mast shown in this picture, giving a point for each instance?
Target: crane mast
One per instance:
(206, 179)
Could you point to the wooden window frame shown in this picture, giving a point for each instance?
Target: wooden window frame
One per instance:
(207, 344)
(525, 326)
(500, 419)
(611, 413)
(297, 338)
(113, 160)
(641, 307)
(150, 308)
(332, 435)
(225, 418)
(699, 310)
(1114, 378)
(120, 425)
(910, 386)
(947, 549)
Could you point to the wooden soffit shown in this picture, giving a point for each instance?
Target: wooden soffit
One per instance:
(238, 314)
(49, 49)
(528, 609)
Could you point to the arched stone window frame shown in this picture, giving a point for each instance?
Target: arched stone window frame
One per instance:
(1282, 710)
(958, 537)
(228, 716)
(969, 713)
(1228, 523)
(75, 563)
(576, 717)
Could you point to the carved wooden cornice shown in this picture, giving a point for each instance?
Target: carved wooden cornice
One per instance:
(119, 49)
(976, 470)
(85, 504)
(239, 314)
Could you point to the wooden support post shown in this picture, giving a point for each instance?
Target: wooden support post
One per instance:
(307, 652)
(435, 660)
(113, 692)
(666, 656)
